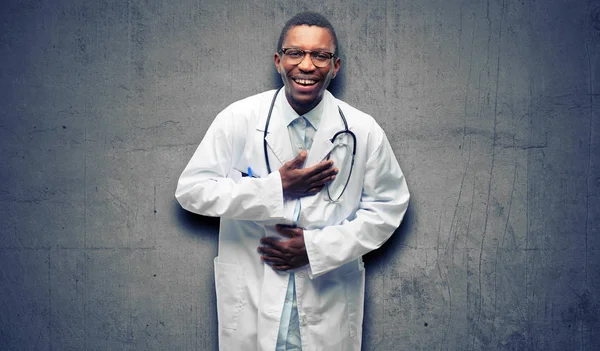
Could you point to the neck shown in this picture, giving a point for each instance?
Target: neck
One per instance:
(302, 109)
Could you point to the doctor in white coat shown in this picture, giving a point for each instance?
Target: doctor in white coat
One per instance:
(292, 238)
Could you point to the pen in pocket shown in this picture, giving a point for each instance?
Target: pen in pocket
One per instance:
(249, 174)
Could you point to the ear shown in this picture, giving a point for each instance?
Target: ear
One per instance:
(336, 66)
(277, 60)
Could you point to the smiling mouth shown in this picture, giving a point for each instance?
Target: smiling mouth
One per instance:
(305, 82)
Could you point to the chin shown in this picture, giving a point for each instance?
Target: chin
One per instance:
(306, 99)
(306, 103)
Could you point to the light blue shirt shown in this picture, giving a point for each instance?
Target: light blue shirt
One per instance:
(302, 130)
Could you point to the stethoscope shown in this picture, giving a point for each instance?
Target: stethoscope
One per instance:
(341, 132)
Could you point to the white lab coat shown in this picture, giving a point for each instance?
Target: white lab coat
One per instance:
(330, 290)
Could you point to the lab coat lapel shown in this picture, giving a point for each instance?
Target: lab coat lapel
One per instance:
(278, 138)
(330, 123)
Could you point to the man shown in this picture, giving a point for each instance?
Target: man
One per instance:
(305, 185)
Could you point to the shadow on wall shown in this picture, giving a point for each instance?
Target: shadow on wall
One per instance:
(195, 223)
(383, 255)
(209, 227)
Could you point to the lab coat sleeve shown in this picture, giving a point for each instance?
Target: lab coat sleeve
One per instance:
(205, 188)
(383, 203)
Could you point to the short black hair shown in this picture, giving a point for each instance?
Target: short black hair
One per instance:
(310, 19)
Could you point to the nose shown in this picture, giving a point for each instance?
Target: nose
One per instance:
(306, 64)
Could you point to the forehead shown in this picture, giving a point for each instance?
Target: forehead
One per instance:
(309, 38)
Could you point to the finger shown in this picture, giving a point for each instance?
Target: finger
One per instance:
(323, 177)
(273, 260)
(322, 183)
(298, 161)
(281, 267)
(267, 251)
(273, 242)
(314, 190)
(319, 167)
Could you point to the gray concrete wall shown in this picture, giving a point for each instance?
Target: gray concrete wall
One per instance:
(491, 108)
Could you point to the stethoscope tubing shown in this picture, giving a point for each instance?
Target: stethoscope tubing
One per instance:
(267, 131)
(349, 132)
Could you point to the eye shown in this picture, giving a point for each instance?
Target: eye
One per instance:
(294, 53)
(321, 55)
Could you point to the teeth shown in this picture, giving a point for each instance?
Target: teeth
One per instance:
(305, 81)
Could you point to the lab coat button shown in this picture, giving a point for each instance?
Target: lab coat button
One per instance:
(301, 275)
(303, 320)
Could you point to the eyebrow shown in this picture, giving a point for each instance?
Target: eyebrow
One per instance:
(317, 49)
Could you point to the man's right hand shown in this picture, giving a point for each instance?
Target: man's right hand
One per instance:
(308, 181)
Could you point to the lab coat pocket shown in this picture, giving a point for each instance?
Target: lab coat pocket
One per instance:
(355, 291)
(229, 287)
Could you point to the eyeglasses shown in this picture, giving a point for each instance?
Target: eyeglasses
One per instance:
(319, 58)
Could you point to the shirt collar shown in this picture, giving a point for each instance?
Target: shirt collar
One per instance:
(313, 116)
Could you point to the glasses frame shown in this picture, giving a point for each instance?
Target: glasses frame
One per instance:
(304, 52)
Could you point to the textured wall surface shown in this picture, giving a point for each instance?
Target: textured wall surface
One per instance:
(492, 108)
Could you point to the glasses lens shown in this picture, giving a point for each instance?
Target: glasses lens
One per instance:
(318, 58)
(293, 56)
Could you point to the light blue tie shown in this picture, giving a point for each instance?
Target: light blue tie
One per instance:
(289, 330)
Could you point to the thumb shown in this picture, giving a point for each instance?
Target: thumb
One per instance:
(286, 231)
(299, 160)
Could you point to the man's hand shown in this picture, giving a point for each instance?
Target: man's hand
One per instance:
(284, 255)
(305, 182)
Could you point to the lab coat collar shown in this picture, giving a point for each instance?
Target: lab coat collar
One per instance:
(278, 138)
(329, 124)
(313, 116)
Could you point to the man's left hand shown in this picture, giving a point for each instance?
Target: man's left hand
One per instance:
(284, 255)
